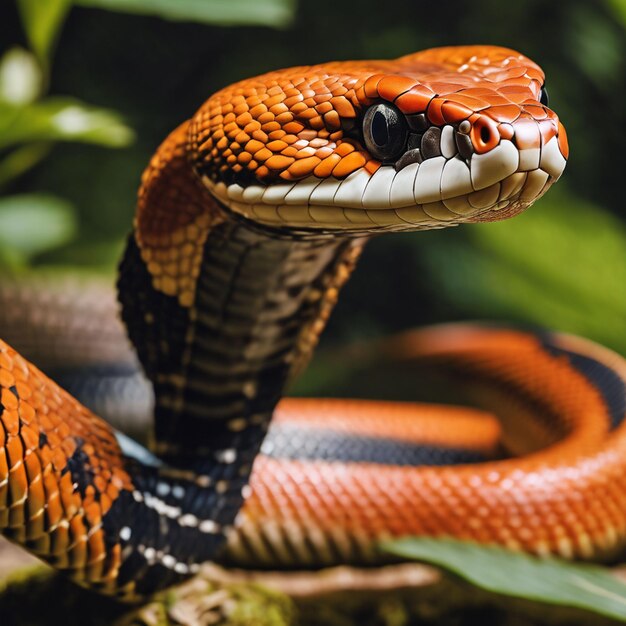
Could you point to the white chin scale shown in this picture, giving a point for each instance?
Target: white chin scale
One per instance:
(441, 191)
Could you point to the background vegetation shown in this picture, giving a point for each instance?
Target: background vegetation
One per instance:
(562, 265)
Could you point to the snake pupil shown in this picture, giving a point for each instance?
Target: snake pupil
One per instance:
(385, 132)
(380, 134)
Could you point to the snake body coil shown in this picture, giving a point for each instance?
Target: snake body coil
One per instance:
(251, 216)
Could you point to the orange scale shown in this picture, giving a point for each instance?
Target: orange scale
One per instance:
(372, 166)
(58, 459)
(93, 514)
(326, 166)
(262, 171)
(6, 378)
(390, 87)
(285, 118)
(251, 127)
(308, 114)
(514, 95)
(324, 107)
(290, 151)
(444, 88)
(370, 86)
(435, 113)
(18, 483)
(257, 110)
(30, 437)
(474, 103)
(62, 428)
(316, 122)
(276, 145)
(11, 421)
(349, 164)
(292, 92)
(536, 74)
(8, 399)
(339, 90)
(332, 120)
(293, 128)
(291, 102)
(504, 112)
(96, 548)
(14, 450)
(6, 362)
(271, 127)
(279, 162)
(275, 91)
(322, 98)
(343, 106)
(259, 135)
(454, 112)
(303, 167)
(502, 76)
(268, 116)
(279, 108)
(242, 137)
(506, 131)
(45, 455)
(537, 111)
(344, 148)
(413, 101)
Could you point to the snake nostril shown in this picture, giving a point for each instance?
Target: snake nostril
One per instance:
(484, 134)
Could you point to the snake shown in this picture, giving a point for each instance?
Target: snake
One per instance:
(251, 216)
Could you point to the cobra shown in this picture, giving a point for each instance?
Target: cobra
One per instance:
(250, 218)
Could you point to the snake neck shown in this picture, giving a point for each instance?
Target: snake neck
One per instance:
(261, 303)
(220, 364)
(219, 351)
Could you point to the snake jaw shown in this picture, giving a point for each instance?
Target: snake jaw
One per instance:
(443, 190)
(290, 150)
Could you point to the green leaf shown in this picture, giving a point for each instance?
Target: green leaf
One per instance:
(275, 13)
(501, 571)
(21, 81)
(62, 119)
(33, 223)
(21, 160)
(42, 20)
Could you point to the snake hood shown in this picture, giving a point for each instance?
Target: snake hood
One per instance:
(432, 139)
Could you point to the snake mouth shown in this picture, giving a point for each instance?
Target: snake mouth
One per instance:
(439, 180)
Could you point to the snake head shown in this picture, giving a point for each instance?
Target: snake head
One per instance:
(433, 139)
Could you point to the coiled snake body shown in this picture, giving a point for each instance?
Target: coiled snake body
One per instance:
(250, 218)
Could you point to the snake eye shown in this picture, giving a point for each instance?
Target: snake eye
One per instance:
(384, 131)
(543, 96)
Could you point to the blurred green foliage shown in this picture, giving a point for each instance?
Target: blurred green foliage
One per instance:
(561, 265)
(551, 581)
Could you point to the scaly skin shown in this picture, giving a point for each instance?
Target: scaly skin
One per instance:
(250, 218)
